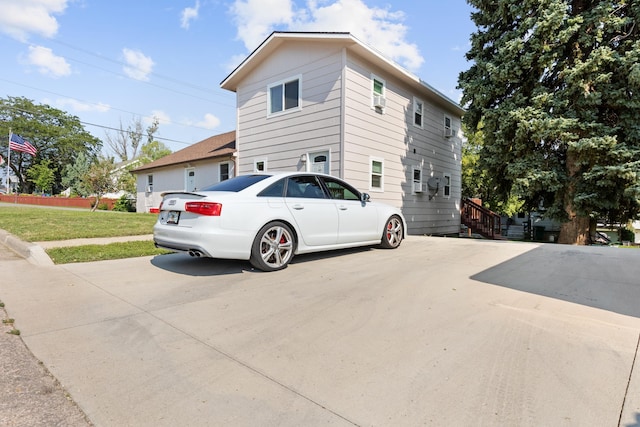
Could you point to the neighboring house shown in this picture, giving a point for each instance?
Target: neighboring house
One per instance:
(327, 102)
(118, 170)
(203, 163)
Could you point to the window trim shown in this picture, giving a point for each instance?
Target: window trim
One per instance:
(282, 83)
(415, 182)
(382, 93)
(448, 130)
(446, 185)
(371, 174)
(229, 171)
(417, 101)
(262, 160)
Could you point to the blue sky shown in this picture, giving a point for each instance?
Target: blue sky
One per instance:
(109, 62)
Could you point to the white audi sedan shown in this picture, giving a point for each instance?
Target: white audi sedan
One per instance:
(268, 218)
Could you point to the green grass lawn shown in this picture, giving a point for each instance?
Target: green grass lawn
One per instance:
(36, 224)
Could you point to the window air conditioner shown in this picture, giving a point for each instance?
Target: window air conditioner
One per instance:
(417, 187)
(379, 101)
(150, 189)
(449, 132)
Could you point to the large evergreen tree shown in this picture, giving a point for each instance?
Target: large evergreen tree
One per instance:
(556, 87)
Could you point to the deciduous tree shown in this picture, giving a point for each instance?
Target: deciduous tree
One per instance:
(58, 136)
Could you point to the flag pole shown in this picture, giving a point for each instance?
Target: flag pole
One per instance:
(8, 162)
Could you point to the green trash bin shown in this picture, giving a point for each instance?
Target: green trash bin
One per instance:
(538, 233)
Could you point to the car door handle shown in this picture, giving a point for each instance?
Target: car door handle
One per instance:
(342, 207)
(297, 206)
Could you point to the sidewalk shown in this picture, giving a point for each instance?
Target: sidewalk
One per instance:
(36, 253)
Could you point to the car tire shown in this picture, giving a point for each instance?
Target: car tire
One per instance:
(272, 247)
(393, 233)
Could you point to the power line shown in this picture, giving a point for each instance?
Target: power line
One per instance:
(112, 108)
(100, 126)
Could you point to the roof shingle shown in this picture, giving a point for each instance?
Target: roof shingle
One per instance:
(215, 146)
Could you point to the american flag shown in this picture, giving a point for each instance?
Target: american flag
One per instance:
(18, 143)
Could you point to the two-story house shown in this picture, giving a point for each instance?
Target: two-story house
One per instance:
(328, 102)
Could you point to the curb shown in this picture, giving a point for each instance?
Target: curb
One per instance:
(31, 252)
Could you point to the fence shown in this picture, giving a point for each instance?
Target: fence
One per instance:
(66, 202)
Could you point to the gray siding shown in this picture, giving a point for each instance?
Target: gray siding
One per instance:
(336, 116)
(282, 139)
(392, 136)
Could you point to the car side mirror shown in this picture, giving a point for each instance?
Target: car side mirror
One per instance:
(364, 197)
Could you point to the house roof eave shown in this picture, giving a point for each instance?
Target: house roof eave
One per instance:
(276, 38)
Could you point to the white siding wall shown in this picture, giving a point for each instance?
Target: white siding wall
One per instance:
(173, 178)
(284, 138)
(393, 137)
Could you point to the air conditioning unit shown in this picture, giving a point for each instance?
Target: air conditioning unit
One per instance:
(150, 189)
(379, 101)
(417, 187)
(449, 132)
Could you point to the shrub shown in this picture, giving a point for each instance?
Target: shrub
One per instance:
(627, 235)
(124, 204)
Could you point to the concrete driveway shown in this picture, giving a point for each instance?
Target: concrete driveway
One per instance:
(439, 332)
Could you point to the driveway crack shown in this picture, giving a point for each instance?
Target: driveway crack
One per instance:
(626, 392)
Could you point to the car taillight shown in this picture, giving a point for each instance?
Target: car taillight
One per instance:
(204, 208)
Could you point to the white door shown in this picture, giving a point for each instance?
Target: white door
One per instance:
(190, 180)
(319, 162)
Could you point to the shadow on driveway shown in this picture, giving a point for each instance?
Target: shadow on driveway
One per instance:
(182, 263)
(601, 277)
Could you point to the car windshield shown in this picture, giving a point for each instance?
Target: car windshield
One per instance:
(236, 184)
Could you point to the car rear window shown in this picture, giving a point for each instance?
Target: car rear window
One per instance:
(236, 184)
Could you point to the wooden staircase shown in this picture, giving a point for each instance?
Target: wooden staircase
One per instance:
(480, 220)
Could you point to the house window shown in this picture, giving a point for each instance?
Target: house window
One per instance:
(225, 171)
(377, 177)
(448, 129)
(149, 188)
(284, 96)
(446, 185)
(260, 165)
(417, 112)
(378, 92)
(417, 180)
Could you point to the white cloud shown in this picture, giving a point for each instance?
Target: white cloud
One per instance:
(163, 118)
(139, 66)
(20, 18)
(79, 106)
(210, 122)
(256, 19)
(47, 62)
(380, 28)
(189, 14)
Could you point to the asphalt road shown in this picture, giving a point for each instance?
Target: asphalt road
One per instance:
(438, 332)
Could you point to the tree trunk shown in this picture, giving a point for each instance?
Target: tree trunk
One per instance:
(95, 205)
(576, 230)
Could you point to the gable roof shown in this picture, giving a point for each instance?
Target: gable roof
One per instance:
(351, 43)
(222, 145)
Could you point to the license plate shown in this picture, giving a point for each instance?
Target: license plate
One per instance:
(173, 217)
